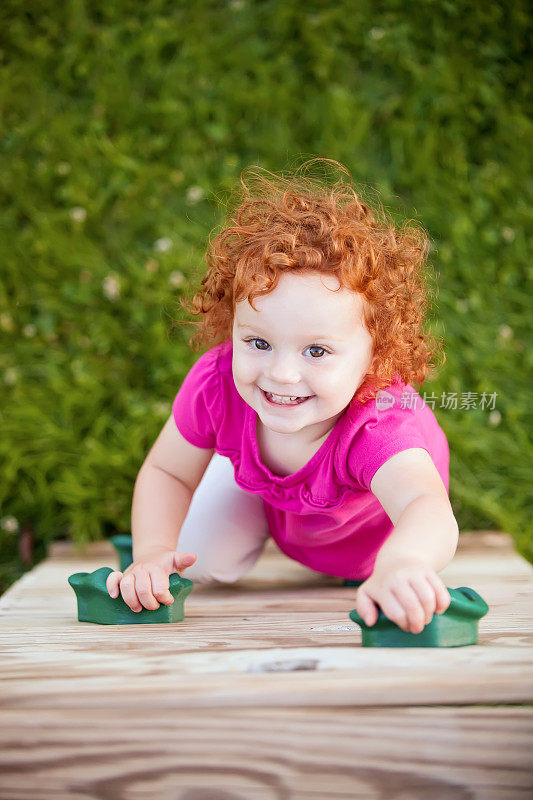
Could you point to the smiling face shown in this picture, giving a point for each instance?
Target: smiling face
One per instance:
(306, 340)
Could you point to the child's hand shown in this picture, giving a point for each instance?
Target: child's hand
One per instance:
(408, 592)
(146, 581)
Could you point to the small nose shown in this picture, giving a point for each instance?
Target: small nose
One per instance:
(282, 369)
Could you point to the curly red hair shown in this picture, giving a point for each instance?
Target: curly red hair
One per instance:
(300, 224)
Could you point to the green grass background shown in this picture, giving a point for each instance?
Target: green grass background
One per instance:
(124, 125)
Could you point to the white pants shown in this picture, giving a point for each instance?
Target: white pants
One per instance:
(225, 527)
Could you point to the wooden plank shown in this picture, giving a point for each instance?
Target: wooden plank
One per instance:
(281, 636)
(263, 691)
(434, 753)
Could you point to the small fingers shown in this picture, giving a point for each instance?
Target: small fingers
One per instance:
(112, 583)
(410, 599)
(129, 593)
(394, 610)
(425, 592)
(414, 615)
(366, 608)
(441, 592)
(143, 589)
(139, 589)
(160, 586)
(183, 560)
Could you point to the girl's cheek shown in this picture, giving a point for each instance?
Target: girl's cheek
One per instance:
(246, 371)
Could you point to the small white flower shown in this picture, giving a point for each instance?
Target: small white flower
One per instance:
(6, 322)
(495, 418)
(78, 214)
(11, 376)
(195, 194)
(111, 286)
(505, 332)
(163, 245)
(29, 330)
(63, 168)
(508, 234)
(9, 524)
(176, 279)
(377, 33)
(151, 265)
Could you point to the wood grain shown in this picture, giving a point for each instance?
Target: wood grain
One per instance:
(264, 691)
(299, 753)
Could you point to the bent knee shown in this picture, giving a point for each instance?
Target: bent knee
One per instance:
(203, 575)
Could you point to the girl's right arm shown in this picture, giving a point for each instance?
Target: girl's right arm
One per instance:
(161, 498)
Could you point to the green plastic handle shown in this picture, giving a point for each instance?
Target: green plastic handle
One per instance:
(96, 605)
(122, 542)
(456, 627)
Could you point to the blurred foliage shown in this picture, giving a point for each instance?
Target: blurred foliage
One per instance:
(125, 125)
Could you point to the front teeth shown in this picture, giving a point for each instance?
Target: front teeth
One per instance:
(277, 398)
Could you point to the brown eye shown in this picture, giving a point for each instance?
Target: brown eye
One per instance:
(315, 354)
(259, 343)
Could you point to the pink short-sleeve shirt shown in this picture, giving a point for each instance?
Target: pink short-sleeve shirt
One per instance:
(324, 515)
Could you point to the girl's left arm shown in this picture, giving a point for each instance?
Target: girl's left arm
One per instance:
(404, 582)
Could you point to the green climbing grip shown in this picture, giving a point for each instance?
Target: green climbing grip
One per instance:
(122, 542)
(456, 627)
(96, 605)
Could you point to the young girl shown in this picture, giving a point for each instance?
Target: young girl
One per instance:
(300, 422)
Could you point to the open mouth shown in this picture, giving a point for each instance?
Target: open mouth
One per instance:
(282, 400)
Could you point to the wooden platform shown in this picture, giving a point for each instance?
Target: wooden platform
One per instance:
(264, 691)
